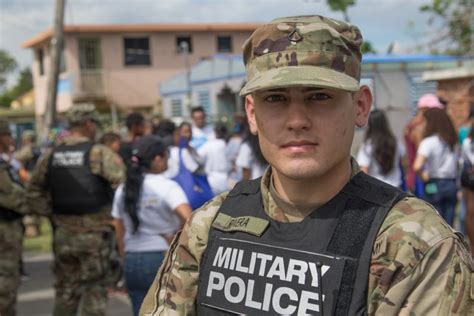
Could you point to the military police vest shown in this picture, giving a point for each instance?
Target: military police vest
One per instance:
(6, 213)
(74, 189)
(254, 265)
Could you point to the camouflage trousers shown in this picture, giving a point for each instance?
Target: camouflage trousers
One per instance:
(83, 271)
(11, 237)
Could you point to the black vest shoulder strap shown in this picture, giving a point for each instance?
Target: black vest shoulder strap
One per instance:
(369, 202)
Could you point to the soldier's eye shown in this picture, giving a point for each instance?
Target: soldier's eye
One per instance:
(274, 98)
(319, 96)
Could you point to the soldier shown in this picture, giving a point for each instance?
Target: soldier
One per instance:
(11, 229)
(75, 180)
(314, 235)
(28, 155)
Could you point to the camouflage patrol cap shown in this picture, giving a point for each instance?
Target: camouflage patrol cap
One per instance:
(303, 50)
(81, 112)
(4, 127)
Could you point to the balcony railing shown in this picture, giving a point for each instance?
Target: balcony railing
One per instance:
(88, 83)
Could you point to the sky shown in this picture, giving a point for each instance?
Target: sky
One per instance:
(381, 21)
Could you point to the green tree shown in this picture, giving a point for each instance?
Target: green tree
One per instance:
(24, 84)
(341, 5)
(454, 33)
(367, 48)
(7, 65)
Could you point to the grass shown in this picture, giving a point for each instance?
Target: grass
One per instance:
(42, 243)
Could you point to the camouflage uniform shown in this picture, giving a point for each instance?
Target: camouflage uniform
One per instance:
(11, 233)
(86, 261)
(419, 265)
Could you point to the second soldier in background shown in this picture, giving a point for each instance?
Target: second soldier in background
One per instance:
(74, 181)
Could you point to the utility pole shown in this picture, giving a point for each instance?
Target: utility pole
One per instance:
(185, 51)
(55, 53)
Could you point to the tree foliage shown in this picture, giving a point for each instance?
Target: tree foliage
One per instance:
(7, 65)
(341, 5)
(24, 84)
(454, 35)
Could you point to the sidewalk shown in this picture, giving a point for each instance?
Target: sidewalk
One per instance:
(36, 295)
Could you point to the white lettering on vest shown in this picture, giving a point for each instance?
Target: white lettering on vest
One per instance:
(233, 259)
(267, 297)
(263, 263)
(305, 305)
(249, 297)
(239, 266)
(212, 285)
(299, 272)
(277, 269)
(68, 159)
(240, 289)
(276, 301)
(222, 257)
(314, 273)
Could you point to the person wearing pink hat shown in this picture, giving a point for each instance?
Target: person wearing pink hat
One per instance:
(428, 101)
(413, 135)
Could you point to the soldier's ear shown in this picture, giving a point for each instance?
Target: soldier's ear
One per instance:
(363, 103)
(250, 111)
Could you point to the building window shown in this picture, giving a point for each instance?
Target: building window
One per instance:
(224, 44)
(204, 100)
(176, 110)
(137, 51)
(40, 58)
(183, 42)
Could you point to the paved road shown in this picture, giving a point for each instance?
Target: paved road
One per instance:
(36, 295)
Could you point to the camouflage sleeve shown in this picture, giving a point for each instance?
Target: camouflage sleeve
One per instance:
(37, 195)
(24, 154)
(175, 287)
(419, 265)
(11, 193)
(106, 163)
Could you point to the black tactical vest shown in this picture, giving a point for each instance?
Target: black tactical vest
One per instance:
(254, 265)
(74, 189)
(6, 213)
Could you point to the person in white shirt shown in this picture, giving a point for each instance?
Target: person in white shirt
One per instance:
(191, 159)
(380, 153)
(250, 158)
(436, 162)
(216, 163)
(201, 132)
(148, 210)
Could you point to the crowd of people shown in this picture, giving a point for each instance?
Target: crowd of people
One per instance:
(429, 162)
(127, 192)
(150, 206)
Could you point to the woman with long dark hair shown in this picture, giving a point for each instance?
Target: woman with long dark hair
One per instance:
(250, 158)
(149, 209)
(436, 162)
(380, 153)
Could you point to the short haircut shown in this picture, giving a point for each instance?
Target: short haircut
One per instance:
(165, 127)
(197, 109)
(109, 138)
(134, 119)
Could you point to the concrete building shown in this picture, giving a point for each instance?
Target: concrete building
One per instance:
(122, 65)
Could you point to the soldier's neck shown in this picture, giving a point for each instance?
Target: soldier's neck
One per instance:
(312, 191)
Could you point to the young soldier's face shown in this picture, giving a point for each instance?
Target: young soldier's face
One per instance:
(307, 132)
